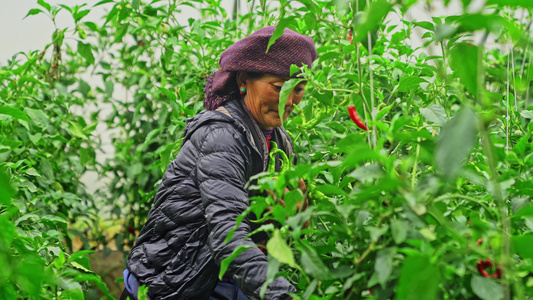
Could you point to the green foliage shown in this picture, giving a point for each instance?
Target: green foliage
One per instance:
(395, 211)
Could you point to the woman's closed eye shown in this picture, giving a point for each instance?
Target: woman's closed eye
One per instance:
(298, 90)
(276, 87)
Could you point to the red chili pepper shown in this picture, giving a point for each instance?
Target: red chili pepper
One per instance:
(355, 117)
(479, 241)
(481, 265)
(130, 229)
(350, 39)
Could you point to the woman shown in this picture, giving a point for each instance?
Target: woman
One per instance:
(179, 250)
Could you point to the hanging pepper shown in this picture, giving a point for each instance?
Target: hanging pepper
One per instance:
(285, 162)
(482, 264)
(356, 119)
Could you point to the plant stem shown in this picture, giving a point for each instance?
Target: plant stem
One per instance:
(504, 217)
(372, 104)
(491, 161)
(464, 197)
(507, 118)
(360, 259)
(415, 164)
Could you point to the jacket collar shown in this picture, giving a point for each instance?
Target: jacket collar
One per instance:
(238, 110)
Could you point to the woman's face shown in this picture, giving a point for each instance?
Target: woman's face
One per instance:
(262, 98)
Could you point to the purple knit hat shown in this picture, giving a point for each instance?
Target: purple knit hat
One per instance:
(249, 55)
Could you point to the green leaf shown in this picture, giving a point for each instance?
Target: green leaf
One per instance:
(54, 219)
(121, 32)
(408, 83)
(6, 191)
(329, 189)
(522, 245)
(79, 255)
(170, 94)
(79, 15)
(419, 279)
(399, 230)
(103, 2)
(44, 4)
(31, 274)
(31, 217)
(32, 172)
(286, 89)
(27, 184)
(32, 12)
(326, 98)
(512, 3)
(476, 21)
(376, 233)
(455, 140)
(135, 4)
(443, 31)
(464, 62)
(272, 271)
(86, 52)
(435, 113)
(14, 112)
(72, 294)
(528, 114)
(224, 264)
(278, 248)
(313, 265)
(87, 130)
(383, 112)
(425, 25)
(294, 69)
(383, 265)
(370, 19)
(151, 135)
(76, 130)
(368, 172)
(486, 288)
(38, 117)
(4, 149)
(278, 32)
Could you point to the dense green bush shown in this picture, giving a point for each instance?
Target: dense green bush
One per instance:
(406, 210)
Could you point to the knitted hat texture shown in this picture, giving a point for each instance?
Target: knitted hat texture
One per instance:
(249, 55)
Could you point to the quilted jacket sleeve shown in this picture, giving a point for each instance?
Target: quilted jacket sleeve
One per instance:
(222, 175)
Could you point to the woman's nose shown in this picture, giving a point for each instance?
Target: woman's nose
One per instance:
(290, 99)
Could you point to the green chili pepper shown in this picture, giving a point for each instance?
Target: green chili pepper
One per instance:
(314, 195)
(285, 163)
(321, 114)
(272, 155)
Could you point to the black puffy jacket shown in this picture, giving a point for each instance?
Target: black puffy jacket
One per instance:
(179, 250)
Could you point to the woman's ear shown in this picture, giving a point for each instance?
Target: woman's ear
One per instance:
(241, 78)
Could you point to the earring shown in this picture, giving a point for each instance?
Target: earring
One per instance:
(243, 91)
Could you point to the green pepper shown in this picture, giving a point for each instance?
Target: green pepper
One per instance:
(285, 163)
(320, 115)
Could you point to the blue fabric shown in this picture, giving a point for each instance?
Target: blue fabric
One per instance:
(268, 132)
(131, 283)
(226, 289)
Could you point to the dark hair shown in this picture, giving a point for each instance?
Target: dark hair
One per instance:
(253, 75)
(249, 75)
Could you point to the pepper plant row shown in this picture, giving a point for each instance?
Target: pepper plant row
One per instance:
(410, 156)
